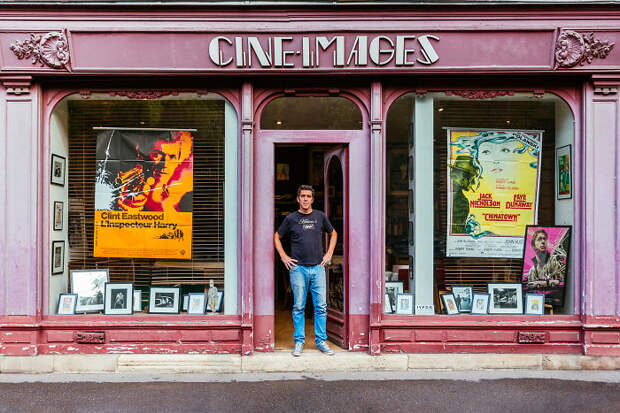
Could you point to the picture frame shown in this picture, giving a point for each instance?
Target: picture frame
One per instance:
(564, 172)
(397, 170)
(164, 300)
(197, 303)
(58, 168)
(404, 303)
(118, 299)
(58, 257)
(480, 303)
(220, 299)
(449, 304)
(392, 289)
(66, 304)
(89, 285)
(137, 301)
(505, 298)
(463, 295)
(535, 304)
(282, 172)
(546, 260)
(58, 215)
(387, 306)
(185, 302)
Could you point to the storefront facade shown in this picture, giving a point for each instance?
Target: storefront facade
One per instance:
(390, 109)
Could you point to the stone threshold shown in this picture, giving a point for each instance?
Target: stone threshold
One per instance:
(310, 362)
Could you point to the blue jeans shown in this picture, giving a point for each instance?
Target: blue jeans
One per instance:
(303, 277)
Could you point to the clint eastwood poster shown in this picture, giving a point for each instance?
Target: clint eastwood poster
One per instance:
(143, 193)
(493, 181)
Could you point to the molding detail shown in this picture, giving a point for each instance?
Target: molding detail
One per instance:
(532, 337)
(50, 50)
(144, 94)
(605, 84)
(16, 85)
(573, 48)
(479, 94)
(89, 337)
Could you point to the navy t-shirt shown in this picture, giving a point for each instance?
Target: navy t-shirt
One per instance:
(306, 232)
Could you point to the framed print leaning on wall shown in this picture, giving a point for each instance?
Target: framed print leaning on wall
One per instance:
(564, 172)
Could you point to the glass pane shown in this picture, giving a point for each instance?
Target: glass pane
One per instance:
(311, 113)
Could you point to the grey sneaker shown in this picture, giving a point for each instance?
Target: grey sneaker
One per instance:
(299, 347)
(325, 348)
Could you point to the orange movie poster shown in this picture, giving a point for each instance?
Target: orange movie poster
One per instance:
(143, 194)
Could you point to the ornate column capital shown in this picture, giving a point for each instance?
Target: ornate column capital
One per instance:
(606, 84)
(16, 85)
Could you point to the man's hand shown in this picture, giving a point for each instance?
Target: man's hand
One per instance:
(288, 262)
(327, 259)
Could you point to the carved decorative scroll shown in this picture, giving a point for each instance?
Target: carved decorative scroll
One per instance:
(50, 50)
(573, 48)
(479, 94)
(144, 94)
(532, 337)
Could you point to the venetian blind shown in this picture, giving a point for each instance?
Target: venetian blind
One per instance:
(207, 117)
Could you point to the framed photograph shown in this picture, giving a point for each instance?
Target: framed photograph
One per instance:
(58, 213)
(535, 304)
(218, 306)
(185, 302)
(58, 170)
(450, 304)
(66, 304)
(564, 172)
(397, 164)
(506, 298)
(58, 257)
(387, 305)
(164, 300)
(197, 303)
(392, 289)
(404, 303)
(89, 285)
(545, 261)
(282, 172)
(463, 295)
(118, 298)
(480, 303)
(137, 301)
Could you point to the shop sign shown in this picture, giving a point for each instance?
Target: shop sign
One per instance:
(143, 194)
(337, 51)
(493, 177)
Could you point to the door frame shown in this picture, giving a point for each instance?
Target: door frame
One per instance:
(263, 294)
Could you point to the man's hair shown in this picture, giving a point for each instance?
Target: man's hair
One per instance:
(536, 234)
(305, 188)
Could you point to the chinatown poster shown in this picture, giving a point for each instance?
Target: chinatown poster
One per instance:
(493, 181)
(143, 193)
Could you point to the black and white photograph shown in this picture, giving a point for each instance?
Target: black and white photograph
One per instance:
(58, 257)
(392, 289)
(137, 301)
(89, 285)
(218, 306)
(480, 303)
(118, 299)
(58, 213)
(164, 300)
(58, 170)
(506, 298)
(197, 303)
(66, 304)
(387, 306)
(535, 304)
(450, 304)
(463, 297)
(404, 303)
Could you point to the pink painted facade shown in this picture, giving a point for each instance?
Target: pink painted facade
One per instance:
(414, 50)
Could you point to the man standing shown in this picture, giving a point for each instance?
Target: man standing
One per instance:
(307, 265)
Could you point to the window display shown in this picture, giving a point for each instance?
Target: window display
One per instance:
(493, 168)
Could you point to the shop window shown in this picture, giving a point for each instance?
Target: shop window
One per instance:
(309, 112)
(479, 200)
(149, 199)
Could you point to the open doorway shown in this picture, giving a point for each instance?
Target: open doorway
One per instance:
(324, 167)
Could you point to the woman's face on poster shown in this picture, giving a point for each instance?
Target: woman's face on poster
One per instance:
(500, 159)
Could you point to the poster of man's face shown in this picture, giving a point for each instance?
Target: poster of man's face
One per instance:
(545, 261)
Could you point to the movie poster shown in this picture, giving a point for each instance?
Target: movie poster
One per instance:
(143, 194)
(493, 181)
(545, 262)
